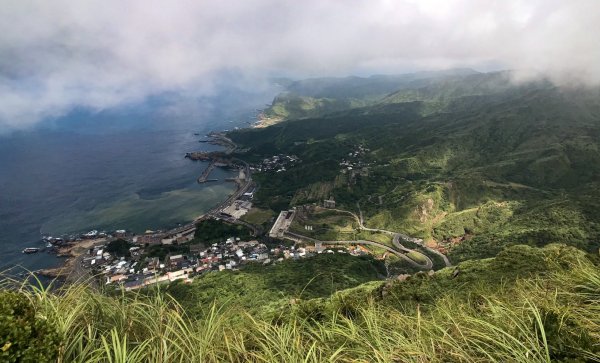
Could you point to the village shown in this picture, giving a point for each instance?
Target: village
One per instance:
(123, 259)
(353, 164)
(133, 262)
(277, 163)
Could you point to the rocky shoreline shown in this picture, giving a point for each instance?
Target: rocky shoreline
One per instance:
(72, 252)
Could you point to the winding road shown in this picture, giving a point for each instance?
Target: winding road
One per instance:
(427, 266)
(400, 249)
(398, 236)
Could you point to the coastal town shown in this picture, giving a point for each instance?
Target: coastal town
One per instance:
(135, 261)
(277, 163)
(139, 268)
(122, 258)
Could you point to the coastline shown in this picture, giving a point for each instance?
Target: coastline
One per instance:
(74, 252)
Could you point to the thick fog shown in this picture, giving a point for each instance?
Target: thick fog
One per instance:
(61, 54)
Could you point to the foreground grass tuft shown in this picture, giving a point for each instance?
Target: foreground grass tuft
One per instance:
(553, 316)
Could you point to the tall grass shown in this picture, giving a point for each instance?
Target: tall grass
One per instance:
(550, 318)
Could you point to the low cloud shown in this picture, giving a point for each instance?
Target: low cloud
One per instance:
(99, 54)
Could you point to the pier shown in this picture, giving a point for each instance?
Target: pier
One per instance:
(203, 178)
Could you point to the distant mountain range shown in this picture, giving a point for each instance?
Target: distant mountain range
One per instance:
(318, 96)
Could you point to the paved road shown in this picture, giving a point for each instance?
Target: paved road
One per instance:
(76, 273)
(427, 266)
(243, 187)
(446, 260)
(398, 236)
(395, 238)
(79, 274)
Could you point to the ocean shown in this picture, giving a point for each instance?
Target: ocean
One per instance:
(120, 169)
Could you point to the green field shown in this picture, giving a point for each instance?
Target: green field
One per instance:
(417, 257)
(258, 216)
(382, 238)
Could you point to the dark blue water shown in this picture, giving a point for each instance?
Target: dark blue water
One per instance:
(121, 169)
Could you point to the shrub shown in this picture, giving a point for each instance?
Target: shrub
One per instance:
(25, 336)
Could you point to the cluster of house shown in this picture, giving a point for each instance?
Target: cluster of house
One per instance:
(277, 163)
(139, 270)
(353, 162)
(354, 166)
(322, 247)
(357, 250)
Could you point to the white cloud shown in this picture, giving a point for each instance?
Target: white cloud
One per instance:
(60, 54)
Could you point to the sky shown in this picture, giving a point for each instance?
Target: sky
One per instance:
(97, 54)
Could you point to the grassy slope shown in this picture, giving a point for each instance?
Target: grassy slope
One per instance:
(255, 287)
(526, 305)
(292, 106)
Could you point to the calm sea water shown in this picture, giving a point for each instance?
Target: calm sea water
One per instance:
(111, 171)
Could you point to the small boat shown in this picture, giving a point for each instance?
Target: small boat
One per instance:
(31, 250)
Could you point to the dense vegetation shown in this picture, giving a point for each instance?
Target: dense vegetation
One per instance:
(259, 217)
(526, 305)
(162, 251)
(471, 163)
(213, 231)
(119, 248)
(25, 336)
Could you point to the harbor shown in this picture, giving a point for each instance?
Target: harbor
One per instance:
(216, 159)
(76, 248)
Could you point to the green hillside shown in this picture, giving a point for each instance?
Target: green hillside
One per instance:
(293, 106)
(262, 289)
(493, 166)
